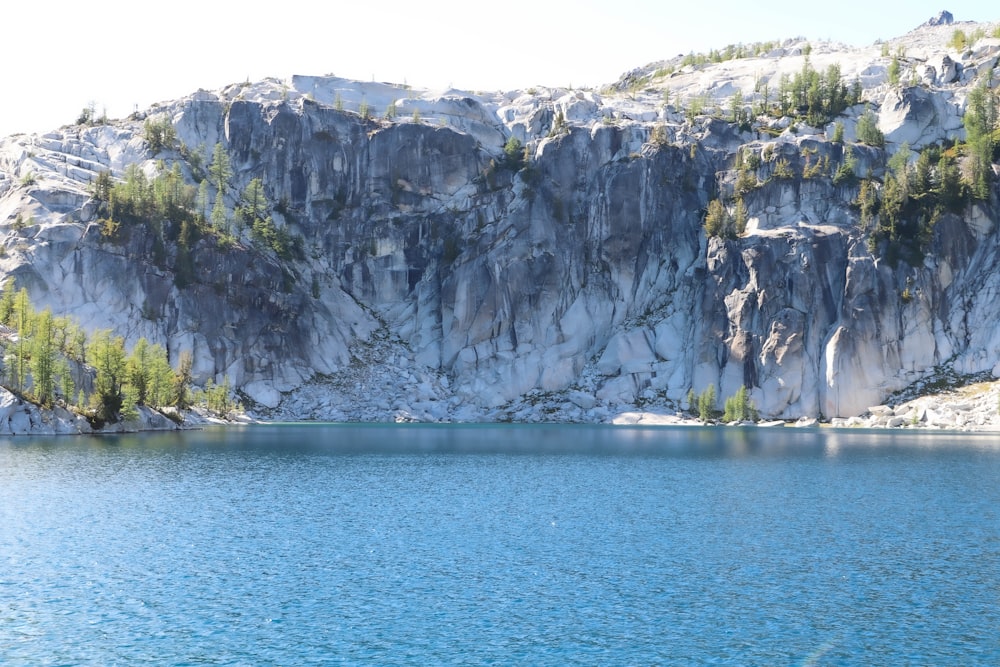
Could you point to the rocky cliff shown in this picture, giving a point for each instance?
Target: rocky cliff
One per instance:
(436, 271)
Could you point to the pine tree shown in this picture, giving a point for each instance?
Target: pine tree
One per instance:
(949, 188)
(736, 107)
(740, 218)
(867, 203)
(78, 345)
(219, 218)
(739, 408)
(66, 385)
(855, 95)
(161, 377)
(43, 358)
(867, 130)
(220, 170)
(893, 71)
(838, 133)
(201, 203)
(716, 219)
(706, 403)
(107, 354)
(981, 121)
(253, 203)
(7, 303)
(138, 370)
(23, 319)
(180, 394)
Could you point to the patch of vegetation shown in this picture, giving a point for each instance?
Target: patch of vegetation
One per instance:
(177, 211)
(729, 52)
(159, 134)
(900, 214)
(723, 223)
(960, 41)
(867, 130)
(514, 154)
(782, 170)
(40, 362)
(706, 403)
(739, 408)
(558, 125)
(893, 71)
(815, 97)
(982, 130)
(89, 117)
(217, 399)
(844, 175)
(659, 136)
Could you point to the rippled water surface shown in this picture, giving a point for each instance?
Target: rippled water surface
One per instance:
(419, 545)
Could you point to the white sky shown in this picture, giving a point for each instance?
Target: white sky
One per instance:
(59, 55)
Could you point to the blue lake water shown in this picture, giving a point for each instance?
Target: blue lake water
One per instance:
(526, 545)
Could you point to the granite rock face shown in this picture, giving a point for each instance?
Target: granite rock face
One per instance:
(437, 276)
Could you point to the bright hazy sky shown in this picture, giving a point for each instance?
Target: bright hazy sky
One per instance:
(59, 55)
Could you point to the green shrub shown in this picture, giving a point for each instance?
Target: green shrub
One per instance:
(958, 40)
(783, 170)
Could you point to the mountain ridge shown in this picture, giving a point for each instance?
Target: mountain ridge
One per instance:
(467, 281)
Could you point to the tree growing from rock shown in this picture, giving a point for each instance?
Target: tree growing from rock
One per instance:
(220, 170)
(867, 130)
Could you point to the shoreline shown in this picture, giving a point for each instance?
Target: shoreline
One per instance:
(973, 408)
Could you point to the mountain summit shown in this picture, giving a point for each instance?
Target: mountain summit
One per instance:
(943, 18)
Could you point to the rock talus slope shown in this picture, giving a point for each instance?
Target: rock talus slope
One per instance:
(437, 275)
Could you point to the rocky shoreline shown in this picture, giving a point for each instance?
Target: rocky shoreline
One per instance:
(972, 408)
(19, 417)
(975, 407)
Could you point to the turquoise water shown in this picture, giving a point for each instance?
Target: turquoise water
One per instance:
(533, 545)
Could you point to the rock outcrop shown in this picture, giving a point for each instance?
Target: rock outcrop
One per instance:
(436, 275)
(19, 417)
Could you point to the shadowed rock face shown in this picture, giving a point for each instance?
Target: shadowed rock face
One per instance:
(429, 264)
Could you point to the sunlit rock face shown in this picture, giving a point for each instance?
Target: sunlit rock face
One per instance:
(437, 276)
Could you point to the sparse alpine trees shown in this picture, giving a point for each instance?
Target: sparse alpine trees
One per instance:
(982, 122)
